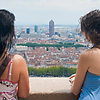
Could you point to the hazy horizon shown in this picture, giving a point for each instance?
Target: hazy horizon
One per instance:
(40, 12)
(46, 25)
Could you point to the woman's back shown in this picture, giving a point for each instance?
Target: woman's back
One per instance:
(15, 72)
(91, 85)
(13, 76)
(93, 60)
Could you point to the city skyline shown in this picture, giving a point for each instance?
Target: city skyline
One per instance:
(39, 12)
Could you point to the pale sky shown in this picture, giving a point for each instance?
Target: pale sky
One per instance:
(63, 12)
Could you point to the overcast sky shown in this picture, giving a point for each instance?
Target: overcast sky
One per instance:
(63, 12)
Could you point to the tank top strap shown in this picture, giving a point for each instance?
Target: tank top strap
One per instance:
(95, 45)
(9, 71)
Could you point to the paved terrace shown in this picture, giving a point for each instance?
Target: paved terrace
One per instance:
(49, 88)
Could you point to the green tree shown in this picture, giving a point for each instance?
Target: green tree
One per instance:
(53, 71)
(47, 48)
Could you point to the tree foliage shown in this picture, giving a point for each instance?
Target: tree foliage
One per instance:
(52, 71)
(51, 45)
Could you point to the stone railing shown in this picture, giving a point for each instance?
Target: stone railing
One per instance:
(50, 89)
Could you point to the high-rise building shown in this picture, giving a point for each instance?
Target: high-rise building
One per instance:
(51, 28)
(36, 28)
(28, 30)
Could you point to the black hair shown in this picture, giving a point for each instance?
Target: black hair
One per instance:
(7, 33)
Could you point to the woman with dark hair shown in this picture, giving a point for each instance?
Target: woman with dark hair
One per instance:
(14, 79)
(87, 78)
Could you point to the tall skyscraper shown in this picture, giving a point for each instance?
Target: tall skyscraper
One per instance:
(28, 30)
(36, 28)
(51, 28)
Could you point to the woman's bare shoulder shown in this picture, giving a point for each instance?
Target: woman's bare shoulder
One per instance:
(87, 53)
(18, 60)
(91, 52)
(86, 56)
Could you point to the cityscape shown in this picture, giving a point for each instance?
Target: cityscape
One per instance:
(41, 56)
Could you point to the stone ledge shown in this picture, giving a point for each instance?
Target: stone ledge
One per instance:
(50, 89)
(51, 96)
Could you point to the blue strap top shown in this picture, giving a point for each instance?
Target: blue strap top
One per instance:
(91, 87)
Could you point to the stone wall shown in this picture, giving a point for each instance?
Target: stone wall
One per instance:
(50, 89)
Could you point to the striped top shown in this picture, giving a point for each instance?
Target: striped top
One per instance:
(7, 87)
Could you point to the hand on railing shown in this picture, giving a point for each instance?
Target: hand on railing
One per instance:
(72, 78)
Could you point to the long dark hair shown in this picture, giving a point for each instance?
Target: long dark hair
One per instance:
(7, 34)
